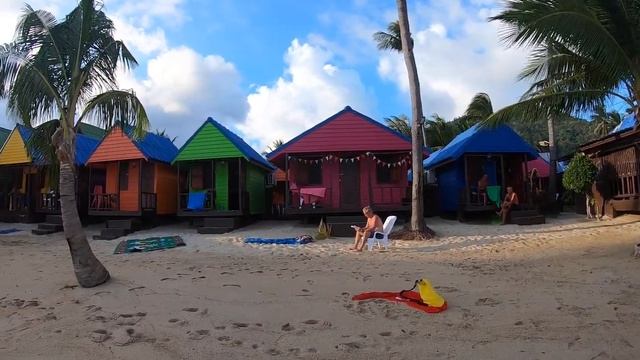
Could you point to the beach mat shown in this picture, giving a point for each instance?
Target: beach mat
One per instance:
(300, 240)
(8, 231)
(409, 298)
(149, 244)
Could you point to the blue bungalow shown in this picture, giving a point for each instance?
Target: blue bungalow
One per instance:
(499, 152)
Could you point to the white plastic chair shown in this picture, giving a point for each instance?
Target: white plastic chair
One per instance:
(384, 240)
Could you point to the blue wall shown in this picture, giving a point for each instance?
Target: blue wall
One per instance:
(450, 185)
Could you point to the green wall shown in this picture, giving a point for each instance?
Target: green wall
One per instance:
(222, 185)
(256, 189)
(208, 143)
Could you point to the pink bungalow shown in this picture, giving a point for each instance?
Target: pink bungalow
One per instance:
(342, 164)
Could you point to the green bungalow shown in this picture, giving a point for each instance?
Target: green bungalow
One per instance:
(221, 179)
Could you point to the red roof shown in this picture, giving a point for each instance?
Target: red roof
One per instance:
(346, 131)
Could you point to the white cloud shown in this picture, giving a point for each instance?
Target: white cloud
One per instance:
(458, 54)
(311, 89)
(138, 39)
(182, 88)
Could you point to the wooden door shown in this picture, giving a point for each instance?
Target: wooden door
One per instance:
(350, 185)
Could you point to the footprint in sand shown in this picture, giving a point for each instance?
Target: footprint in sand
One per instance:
(349, 347)
(220, 327)
(240, 325)
(487, 302)
(287, 327)
(273, 352)
(100, 336)
(190, 309)
(385, 333)
(130, 319)
(310, 322)
(198, 334)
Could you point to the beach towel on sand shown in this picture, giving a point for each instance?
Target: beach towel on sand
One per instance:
(300, 240)
(149, 244)
(8, 231)
(409, 298)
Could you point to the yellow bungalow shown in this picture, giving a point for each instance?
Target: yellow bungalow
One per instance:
(26, 189)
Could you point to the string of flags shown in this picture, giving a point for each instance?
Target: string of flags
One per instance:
(404, 160)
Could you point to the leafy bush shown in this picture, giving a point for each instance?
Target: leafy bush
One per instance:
(580, 174)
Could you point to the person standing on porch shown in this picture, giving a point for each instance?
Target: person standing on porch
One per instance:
(374, 223)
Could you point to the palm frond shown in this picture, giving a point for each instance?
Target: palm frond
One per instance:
(479, 108)
(399, 123)
(389, 40)
(117, 107)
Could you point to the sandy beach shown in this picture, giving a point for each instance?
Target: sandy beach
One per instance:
(568, 289)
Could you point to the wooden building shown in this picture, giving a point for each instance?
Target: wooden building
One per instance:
(220, 176)
(344, 163)
(132, 177)
(617, 157)
(29, 187)
(500, 153)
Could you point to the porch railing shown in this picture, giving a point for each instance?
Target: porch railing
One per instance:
(17, 202)
(49, 202)
(209, 204)
(148, 201)
(104, 202)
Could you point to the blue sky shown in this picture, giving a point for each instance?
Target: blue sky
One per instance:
(271, 69)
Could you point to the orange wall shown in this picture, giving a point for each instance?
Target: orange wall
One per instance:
(130, 199)
(112, 178)
(116, 146)
(166, 189)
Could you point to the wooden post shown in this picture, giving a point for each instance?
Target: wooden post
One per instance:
(466, 182)
(240, 186)
(526, 177)
(504, 182)
(140, 174)
(286, 182)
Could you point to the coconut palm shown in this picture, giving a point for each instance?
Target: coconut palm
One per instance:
(399, 123)
(604, 121)
(274, 145)
(389, 40)
(67, 70)
(585, 52)
(417, 210)
(479, 109)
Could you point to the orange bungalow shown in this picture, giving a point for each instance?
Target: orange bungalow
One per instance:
(132, 177)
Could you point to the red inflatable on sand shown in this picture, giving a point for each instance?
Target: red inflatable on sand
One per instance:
(409, 298)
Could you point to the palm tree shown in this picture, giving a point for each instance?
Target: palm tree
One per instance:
(274, 145)
(604, 121)
(54, 70)
(584, 54)
(479, 109)
(391, 39)
(399, 123)
(417, 210)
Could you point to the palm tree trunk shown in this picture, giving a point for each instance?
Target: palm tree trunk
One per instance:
(88, 269)
(553, 160)
(417, 211)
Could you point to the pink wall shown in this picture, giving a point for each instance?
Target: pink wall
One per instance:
(371, 193)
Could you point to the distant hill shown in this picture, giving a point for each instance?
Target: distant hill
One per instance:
(570, 133)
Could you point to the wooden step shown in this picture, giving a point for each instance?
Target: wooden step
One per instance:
(120, 224)
(54, 219)
(213, 230)
(43, 231)
(112, 233)
(524, 213)
(529, 220)
(225, 222)
(50, 227)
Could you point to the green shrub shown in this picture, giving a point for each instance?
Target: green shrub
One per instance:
(580, 174)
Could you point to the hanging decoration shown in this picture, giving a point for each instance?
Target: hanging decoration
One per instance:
(404, 160)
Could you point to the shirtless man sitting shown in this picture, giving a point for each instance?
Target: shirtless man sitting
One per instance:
(374, 223)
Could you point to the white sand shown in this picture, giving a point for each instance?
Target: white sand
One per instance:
(564, 290)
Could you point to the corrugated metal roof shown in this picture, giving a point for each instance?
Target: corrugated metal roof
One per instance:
(85, 145)
(478, 139)
(153, 146)
(244, 148)
(627, 123)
